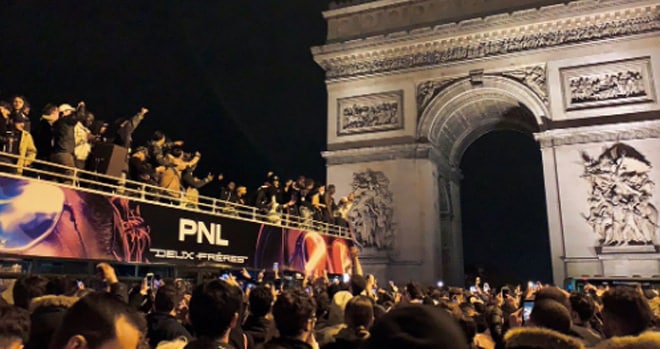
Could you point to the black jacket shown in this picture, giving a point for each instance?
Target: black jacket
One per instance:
(164, 327)
(286, 343)
(261, 329)
(589, 337)
(5, 126)
(348, 339)
(44, 139)
(63, 135)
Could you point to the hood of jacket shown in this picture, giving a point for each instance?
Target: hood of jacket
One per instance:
(52, 301)
(646, 340)
(541, 338)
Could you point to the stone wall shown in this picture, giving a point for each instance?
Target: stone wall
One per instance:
(404, 106)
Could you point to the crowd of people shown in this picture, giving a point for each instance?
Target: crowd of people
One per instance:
(242, 310)
(68, 136)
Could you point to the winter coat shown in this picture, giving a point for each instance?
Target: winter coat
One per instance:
(261, 329)
(164, 327)
(646, 340)
(539, 338)
(348, 339)
(26, 150)
(47, 314)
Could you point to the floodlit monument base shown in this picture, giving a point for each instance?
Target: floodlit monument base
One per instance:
(411, 88)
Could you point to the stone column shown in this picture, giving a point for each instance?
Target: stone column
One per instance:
(396, 187)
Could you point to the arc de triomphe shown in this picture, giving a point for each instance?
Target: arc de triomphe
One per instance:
(412, 83)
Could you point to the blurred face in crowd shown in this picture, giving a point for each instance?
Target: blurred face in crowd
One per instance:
(54, 114)
(18, 103)
(231, 186)
(140, 155)
(322, 189)
(351, 197)
(89, 120)
(241, 191)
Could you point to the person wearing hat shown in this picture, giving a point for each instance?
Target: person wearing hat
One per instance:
(20, 143)
(64, 141)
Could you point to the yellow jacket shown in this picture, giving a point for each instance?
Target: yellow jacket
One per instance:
(27, 152)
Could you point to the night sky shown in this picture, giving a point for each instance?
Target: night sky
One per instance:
(236, 81)
(233, 79)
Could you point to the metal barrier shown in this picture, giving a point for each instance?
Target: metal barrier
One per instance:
(120, 186)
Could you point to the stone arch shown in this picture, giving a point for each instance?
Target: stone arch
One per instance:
(460, 114)
(465, 110)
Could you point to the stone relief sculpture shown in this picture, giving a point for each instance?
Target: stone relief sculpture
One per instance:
(533, 77)
(607, 84)
(620, 208)
(372, 212)
(370, 113)
(427, 90)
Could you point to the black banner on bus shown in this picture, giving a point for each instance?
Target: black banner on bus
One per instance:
(43, 219)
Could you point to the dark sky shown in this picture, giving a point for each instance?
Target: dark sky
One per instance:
(235, 80)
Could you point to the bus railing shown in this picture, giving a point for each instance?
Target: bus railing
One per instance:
(90, 181)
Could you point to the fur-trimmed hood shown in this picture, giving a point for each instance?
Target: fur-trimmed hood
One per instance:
(646, 340)
(541, 338)
(52, 301)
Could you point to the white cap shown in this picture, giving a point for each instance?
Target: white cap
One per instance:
(64, 107)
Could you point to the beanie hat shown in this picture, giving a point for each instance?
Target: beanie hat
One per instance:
(417, 327)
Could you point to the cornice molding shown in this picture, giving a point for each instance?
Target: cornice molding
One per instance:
(455, 45)
(393, 152)
(597, 134)
(381, 153)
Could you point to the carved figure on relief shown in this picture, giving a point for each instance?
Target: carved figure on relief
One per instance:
(372, 212)
(361, 116)
(601, 87)
(619, 198)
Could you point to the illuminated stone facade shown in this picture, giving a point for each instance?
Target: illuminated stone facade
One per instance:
(412, 83)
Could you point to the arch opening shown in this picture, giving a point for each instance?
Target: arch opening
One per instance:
(503, 209)
(463, 115)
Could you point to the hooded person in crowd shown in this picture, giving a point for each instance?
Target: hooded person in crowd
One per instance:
(627, 320)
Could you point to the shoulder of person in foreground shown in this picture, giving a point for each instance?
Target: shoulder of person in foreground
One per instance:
(646, 340)
(541, 338)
